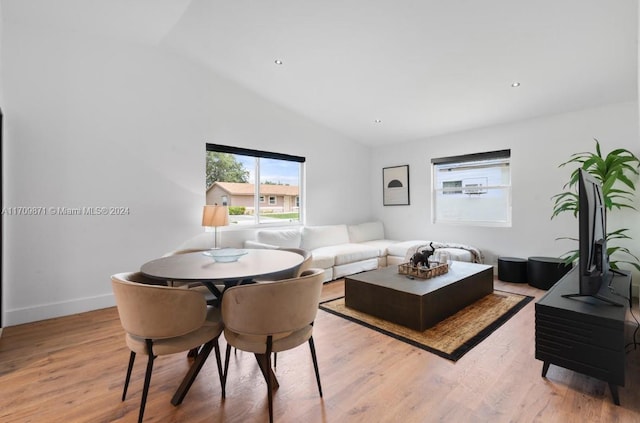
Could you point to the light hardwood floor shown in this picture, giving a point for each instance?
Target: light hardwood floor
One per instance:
(72, 369)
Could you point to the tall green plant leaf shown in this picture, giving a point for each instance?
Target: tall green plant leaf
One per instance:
(618, 189)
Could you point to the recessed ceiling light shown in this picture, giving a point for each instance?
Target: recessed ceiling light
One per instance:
(515, 84)
(278, 62)
(377, 121)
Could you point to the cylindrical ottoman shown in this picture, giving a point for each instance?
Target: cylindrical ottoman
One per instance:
(544, 272)
(512, 269)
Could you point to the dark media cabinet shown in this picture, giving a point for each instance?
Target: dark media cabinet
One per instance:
(584, 334)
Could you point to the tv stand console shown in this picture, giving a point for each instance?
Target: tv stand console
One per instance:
(597, 297)
(584, 333)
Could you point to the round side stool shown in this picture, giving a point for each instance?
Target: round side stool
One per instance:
(544, 272)
(512, 269)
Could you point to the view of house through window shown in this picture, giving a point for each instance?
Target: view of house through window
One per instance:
(231, 177)
(472, 189)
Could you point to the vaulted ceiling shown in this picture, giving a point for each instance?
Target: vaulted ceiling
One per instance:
(420, 67)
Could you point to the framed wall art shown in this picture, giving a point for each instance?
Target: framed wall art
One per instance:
(395, 186)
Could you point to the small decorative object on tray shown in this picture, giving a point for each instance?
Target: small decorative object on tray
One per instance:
(422, 272)
(422, 257)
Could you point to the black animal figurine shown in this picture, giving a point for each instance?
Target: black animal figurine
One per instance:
(421, 258)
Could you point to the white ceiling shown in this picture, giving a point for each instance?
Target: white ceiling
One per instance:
(423, 67)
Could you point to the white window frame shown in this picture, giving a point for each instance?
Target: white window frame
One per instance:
(260, 198)
(472, 190)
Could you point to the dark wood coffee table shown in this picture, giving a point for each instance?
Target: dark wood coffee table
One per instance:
(417, 303)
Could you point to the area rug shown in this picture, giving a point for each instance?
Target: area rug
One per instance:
(453, 337)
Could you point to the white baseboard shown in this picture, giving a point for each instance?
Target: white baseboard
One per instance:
(59, 309)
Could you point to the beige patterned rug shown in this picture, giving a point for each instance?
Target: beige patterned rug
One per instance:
(454, 336)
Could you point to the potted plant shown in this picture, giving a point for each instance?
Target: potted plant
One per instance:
(615, 172)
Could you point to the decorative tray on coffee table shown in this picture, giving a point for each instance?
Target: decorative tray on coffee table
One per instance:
(422, 272)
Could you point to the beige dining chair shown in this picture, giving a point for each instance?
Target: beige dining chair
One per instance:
(306, 259)
(140, 278)
(292, 273)
(161, 320)
(289, 273)
(265, 318)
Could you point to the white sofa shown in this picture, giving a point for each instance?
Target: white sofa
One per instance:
(343, 250)
(340, 250)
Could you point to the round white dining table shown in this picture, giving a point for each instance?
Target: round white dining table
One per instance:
(198, 267)
(202, 268)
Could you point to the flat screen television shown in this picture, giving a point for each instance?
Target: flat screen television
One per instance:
(593, 262)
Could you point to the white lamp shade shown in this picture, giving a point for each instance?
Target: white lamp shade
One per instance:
(215, 216)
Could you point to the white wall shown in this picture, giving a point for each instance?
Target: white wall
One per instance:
(537, 146)
(2, 297)
(96, 122)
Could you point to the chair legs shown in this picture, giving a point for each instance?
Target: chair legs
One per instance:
(264, 360)
(132, 358)
(269, 381)
(219, 364)
(186, 382)
(315, 364)
(147, 379)
(226, 367)
(195, 369)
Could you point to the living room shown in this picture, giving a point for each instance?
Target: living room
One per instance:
(115, 112)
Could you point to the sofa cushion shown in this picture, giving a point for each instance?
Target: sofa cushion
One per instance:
(283, 238)
(400, 248)
(347, 253)
(322, 236)
(322, 261)
(368, 231)
(381, 244)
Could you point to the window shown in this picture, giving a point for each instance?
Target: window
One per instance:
(231, 176)
(473, 189)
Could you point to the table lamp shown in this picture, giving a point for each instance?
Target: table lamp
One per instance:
(214, 216)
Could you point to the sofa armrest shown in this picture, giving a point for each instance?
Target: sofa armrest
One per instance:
(256, 244)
